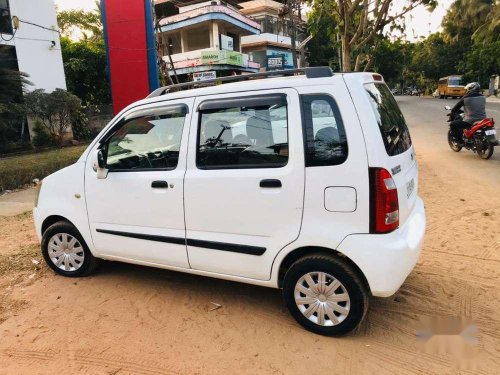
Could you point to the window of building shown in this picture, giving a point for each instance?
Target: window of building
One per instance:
(236, 41)
(5, 18)
(197, 38)
(172, 42)
(250, 132)
(149, 141)
(326, 142)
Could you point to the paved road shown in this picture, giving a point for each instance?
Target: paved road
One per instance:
(17, 202)
(427, 120)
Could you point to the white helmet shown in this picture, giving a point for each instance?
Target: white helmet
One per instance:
(473, 86)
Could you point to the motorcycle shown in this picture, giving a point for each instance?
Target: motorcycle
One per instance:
(480, 137)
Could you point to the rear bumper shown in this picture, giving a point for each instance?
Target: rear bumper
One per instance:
(387, 259)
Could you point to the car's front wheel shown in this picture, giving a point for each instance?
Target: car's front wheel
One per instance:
(325, 295)
(66, 252)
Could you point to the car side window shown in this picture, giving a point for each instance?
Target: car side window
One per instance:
(148, 141)
(325, 138)
(248, 132)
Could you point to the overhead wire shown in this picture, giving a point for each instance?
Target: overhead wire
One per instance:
(29, 23)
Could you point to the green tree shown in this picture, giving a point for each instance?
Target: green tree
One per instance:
(361, 24)
(84, 59)
(85, 69)
(468, 21)
(436, 57)
(54, 110)
(323, 49)
(78, 21)
(481, 62)
(392, 59)
(13, 84)
(472, 27)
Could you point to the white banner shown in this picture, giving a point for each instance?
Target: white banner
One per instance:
(203, 76)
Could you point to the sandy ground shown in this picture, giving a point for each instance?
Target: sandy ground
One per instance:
(133, 320)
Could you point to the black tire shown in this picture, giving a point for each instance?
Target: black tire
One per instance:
(454, 145)
(487, 152)
(344, 273)
(89, 263)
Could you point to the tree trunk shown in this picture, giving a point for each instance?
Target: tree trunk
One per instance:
(368, 64)
(346, 55)
(357, 66)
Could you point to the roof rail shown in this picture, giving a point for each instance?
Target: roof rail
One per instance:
(312, 72)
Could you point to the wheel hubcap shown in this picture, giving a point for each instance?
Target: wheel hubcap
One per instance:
(66, 252)
(322, 299)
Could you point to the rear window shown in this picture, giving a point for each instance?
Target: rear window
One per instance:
(390, 120)
(454, 81)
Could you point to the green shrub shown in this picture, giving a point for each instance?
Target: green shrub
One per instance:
(42, 137)
(17, 171)
(80, 126)
(55, 110)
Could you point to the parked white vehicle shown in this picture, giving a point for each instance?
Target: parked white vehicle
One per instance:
(306, 183)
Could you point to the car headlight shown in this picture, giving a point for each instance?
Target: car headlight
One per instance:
(38, 188)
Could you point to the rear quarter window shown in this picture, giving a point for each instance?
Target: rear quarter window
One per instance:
(390, 120)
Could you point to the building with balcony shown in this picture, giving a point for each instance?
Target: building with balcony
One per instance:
(202, 39)
(272, 48)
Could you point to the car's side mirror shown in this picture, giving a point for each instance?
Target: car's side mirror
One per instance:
(99, 164)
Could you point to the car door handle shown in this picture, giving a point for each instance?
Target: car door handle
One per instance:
(159, 185)
(270, 183)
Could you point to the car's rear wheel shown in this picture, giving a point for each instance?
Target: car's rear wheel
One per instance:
(66, 252)
(325, 295)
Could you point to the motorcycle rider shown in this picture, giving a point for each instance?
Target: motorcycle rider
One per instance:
(474, 104)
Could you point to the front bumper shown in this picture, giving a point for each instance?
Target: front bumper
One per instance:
(38, 223)
(387, 259)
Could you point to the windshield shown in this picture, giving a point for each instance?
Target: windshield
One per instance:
(390, 120)
(455, 81)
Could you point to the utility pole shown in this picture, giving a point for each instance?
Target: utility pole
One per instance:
(291, 9)
(288, 9)
(169, 51)
(161, 51)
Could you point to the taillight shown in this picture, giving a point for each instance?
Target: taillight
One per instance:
(384, 205)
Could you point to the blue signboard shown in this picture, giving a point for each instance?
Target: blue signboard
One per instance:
(286, 54)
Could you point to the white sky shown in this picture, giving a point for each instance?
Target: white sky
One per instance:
(419, 23)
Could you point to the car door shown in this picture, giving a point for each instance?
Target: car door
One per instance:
(244, 184)
(136, 212)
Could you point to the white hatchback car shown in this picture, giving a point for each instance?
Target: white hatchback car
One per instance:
(305, 182)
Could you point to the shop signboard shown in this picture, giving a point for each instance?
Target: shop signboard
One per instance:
(203, 76)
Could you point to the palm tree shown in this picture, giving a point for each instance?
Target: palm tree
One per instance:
(13, 84)
(473, 19)
(489, 31)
